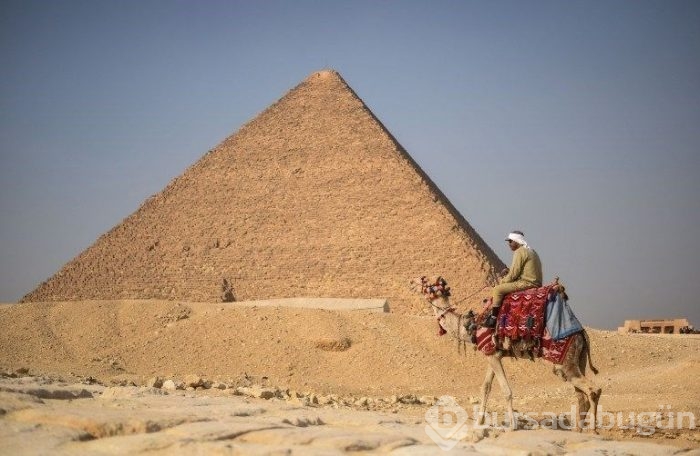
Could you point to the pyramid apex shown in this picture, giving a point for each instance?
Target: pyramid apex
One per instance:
(325, 73)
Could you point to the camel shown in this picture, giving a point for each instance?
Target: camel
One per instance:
(572, 369)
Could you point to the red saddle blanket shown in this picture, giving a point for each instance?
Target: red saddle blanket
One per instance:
(522, 314)
(549, 349)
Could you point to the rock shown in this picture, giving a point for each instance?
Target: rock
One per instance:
(120, 392)
(293, 393)
(9, 402)
(259, 392)
(122, 381)
(303, 421)
(325, 400)
(340, 344)
(154, 382)
(409, 399)
(53, 391)
(361, 402)
(427, 400)
(299, 401)
(173, 385)
(193, 381)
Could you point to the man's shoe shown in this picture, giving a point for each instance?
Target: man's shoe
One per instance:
(491, 322)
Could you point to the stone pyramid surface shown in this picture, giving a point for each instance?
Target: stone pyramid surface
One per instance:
(312, 198)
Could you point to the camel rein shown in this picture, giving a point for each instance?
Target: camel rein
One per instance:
(473, 294)
(451, 307)
(445, 310)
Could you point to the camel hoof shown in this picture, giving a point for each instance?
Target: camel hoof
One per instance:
(513, 426)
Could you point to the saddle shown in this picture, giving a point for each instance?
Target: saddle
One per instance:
(522, 324)
(522, 314)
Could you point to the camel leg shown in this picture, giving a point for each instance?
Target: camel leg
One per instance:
(583, 406)
(589, 389)
(485, 390)
(573, 370)
(497, 367)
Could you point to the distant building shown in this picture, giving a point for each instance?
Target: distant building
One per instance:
(675, 326)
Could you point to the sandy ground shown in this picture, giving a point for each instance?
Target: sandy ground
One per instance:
(345, 353)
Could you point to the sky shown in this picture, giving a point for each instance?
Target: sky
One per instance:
(576, 122)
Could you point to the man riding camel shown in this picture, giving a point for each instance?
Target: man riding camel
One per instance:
(525, 272)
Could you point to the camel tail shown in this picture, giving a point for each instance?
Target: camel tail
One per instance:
(588, 351)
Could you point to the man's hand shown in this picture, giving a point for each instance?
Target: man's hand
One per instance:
(504, 272)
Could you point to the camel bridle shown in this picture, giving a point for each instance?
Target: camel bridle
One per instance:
(434, 291)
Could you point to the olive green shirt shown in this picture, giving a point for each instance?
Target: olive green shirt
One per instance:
(526, 266)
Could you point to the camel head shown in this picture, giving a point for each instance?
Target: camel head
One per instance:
(432, 288)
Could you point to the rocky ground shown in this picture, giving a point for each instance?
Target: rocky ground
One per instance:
(135, 376)
(41, 416)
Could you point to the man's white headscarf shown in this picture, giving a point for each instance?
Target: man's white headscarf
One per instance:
(519, 238)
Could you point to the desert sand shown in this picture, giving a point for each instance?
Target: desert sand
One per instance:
(326, 372)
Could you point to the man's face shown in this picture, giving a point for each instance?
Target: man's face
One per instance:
(513, 245)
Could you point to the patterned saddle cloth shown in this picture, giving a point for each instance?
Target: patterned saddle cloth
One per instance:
(522, 314)
(522, 319)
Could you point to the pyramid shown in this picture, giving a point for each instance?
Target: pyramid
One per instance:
(312, 198)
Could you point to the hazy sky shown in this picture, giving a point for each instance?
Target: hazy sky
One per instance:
(576, 122)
